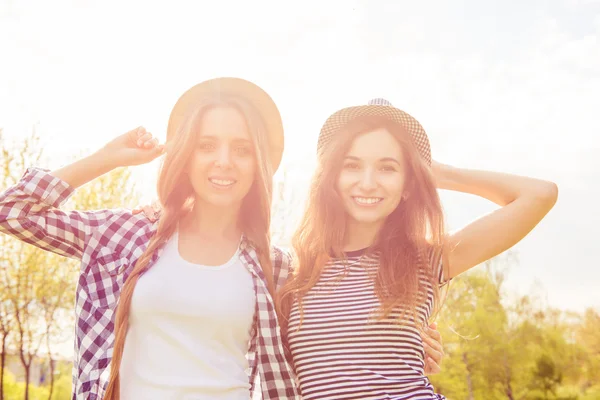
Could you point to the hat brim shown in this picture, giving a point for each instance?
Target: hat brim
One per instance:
(343, 117)
(250, 92)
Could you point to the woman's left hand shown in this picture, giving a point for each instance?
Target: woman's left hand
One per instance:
(434, 349)
(523, 202)
(436, 171)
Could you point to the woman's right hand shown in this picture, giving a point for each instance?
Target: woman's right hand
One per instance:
(133, 148)
(152, 213)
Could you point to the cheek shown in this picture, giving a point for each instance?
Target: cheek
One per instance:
(247, 167)
(395, 188)
(344, 182)
(197, 164)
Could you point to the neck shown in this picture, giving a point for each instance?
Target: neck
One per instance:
(213, 223)
(360, 235)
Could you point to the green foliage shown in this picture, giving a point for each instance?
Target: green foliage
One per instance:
(499, 347)
(16, 390)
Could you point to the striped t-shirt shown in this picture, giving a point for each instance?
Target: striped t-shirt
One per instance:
(341, 351)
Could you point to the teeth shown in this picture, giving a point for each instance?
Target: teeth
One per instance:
(222, 182)
(367, 200)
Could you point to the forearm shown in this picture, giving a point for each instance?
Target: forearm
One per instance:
(86, 169)
(497, 187)
(30, 211)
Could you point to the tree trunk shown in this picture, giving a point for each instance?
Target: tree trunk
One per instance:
(51, 379)
(469, 381)
(27, 377)
(51, 371)
(508, 386)
(2, 365)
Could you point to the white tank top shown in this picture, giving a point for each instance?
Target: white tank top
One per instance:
(189, 331)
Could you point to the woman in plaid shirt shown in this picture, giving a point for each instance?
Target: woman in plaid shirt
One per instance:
(224, 142)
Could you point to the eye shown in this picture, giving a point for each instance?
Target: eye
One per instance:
(351, 165)
(243, 150)
(388, 168)
(206, 146)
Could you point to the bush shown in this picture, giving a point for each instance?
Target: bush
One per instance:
(16, 390)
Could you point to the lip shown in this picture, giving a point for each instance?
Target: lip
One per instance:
(369, 205)
(212, 179)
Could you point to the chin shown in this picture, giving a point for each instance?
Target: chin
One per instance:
(366, 217)
(223, 201)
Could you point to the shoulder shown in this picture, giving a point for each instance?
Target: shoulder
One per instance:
(282, 264)
(280, 257)
(124, 233)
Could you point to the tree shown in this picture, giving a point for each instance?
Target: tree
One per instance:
(501, 346)
(5, 330)
(56, 295)
(586, 334)
(18, 285)
(483, 338)
(546, 375)
(38, 287)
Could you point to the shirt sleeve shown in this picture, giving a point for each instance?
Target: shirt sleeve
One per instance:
(282, 263)
(438, 267)
(29, 211)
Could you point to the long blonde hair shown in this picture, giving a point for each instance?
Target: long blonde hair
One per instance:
(404, 242)
(176, 196)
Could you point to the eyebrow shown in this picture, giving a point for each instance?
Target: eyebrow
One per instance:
(216, 139)
(385, 159)
(390, 159)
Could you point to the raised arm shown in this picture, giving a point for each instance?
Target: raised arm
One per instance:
(29, 210)
(524, 202)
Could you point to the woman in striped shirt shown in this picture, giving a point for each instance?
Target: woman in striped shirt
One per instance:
(372, 253)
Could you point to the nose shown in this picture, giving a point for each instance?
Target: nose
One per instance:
(223, 157)
(368, 180)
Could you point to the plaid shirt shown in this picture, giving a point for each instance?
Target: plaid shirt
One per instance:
(108, 243)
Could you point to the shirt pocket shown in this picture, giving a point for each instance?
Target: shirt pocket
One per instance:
(106, 277)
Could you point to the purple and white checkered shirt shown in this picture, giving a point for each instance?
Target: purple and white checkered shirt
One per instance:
(108, 243)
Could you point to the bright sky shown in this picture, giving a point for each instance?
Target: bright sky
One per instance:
(497, 85)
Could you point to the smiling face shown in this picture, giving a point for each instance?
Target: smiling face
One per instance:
(222, 165)
(372, 179)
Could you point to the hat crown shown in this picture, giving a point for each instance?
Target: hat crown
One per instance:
(378, 107)
(380, 102)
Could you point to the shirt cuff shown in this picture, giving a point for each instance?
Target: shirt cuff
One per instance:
(46, 188)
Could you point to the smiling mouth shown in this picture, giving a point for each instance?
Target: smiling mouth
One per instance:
(367, 201)
(222, 183)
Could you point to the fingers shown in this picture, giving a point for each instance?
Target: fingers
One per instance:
(431, 367)
(145, 140)
(434, 351)
(433, 333)
(149, 212)
(433, 337)
(432, 343)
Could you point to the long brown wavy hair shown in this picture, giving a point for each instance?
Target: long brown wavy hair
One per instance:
(404, 242)
(176, 196)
